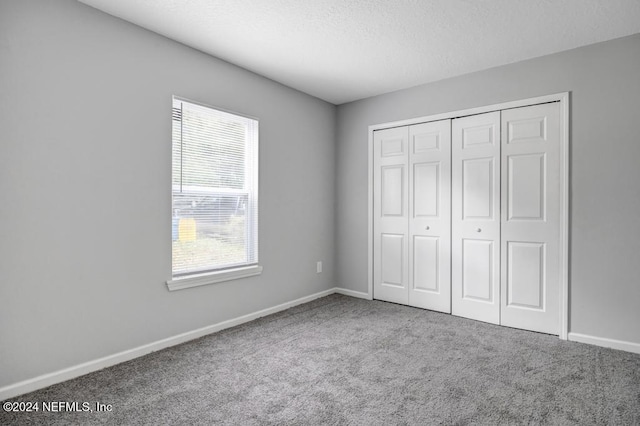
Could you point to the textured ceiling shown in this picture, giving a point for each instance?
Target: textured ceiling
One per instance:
(343, 50)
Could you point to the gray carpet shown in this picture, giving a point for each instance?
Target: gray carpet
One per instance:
(340, 360)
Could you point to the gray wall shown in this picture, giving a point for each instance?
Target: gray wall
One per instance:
(85, 218)
(604, 81)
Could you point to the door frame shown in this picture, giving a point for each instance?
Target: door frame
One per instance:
(564, 99)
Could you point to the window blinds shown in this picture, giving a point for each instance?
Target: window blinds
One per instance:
(214, 189)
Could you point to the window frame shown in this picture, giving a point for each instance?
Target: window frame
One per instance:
(182, 280)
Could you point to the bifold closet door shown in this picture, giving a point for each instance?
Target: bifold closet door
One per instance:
(430, 215)
(391, 215)
(475, 227)
(412, 215)
(531, 218)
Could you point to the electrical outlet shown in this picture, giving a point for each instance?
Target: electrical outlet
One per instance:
(319, 267)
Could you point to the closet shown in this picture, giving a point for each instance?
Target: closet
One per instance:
(467, 215)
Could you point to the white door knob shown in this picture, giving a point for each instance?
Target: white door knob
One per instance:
(478, 230)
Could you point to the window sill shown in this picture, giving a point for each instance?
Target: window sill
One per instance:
(213, 277)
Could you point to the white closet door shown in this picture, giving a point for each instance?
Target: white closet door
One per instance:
(391, 215)
(476, 217)
(430, 215)
(531, 218)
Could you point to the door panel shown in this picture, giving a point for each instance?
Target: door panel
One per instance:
(481, 135)
(426, 259)
(426, 189)
(526, 186)
(393, 146)
(526, 130)
(475, 228)
(392, 190)
(526, 275)
(424, 141)
(478, 186)
(430, 223)
(530, 271)
(392, 259)
(477, 271)
(390, 207)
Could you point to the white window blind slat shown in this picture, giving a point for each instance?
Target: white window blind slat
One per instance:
(214, 189)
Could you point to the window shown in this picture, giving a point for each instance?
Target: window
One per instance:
(214, 195)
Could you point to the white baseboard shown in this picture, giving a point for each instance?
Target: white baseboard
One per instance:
(353, 293)
(49, 379)
(607, 343)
